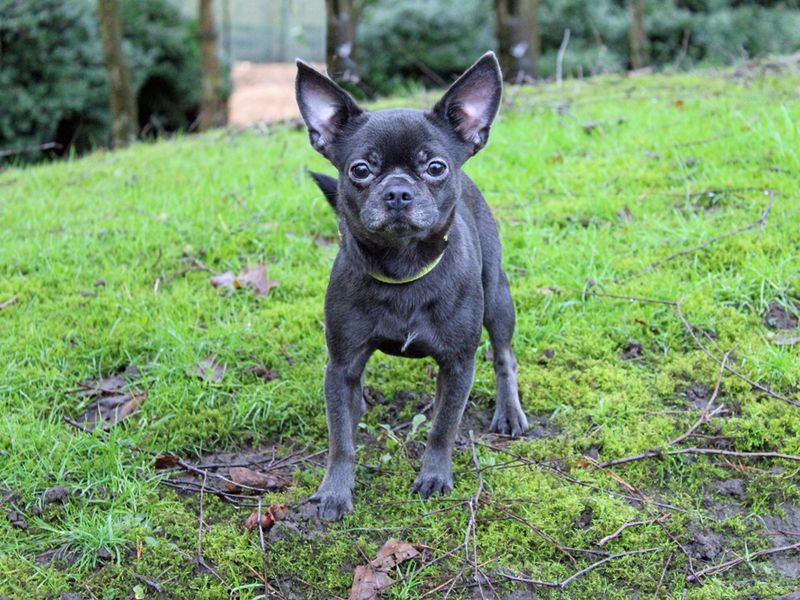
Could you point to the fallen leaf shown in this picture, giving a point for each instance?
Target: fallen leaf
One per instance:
(273, 513)
(264, 374)
(679, 103)
(208, 369)
(249, 277)
(165, 461)
(556, 159)
(8, 302)
(392, 553)
(368, 583)
(625, 215)
(786, 340)
(226, 280)
(590, 126)
(112, 403)
(242, 476)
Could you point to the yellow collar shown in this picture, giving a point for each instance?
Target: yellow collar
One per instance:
(424, 271)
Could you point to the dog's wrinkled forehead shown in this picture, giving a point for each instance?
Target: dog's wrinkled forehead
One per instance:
(396, 137)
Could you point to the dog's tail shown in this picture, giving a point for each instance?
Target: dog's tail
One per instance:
(329, 186)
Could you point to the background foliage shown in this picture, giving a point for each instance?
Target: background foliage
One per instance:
(447, 36)
(52, 80)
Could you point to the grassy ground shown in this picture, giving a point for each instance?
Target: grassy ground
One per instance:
(590, 184)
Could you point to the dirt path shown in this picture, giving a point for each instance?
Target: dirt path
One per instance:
(262, 92)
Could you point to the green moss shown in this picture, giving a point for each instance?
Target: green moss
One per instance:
(136, 217)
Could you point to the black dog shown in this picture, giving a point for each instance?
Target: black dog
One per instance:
(418, 270)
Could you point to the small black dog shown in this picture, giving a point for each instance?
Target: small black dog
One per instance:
(418, 270)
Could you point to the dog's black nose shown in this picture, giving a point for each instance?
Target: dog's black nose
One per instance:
(398, 196)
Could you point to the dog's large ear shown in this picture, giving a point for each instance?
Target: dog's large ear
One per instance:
(471, 103)
(326, 108)
(328, 185)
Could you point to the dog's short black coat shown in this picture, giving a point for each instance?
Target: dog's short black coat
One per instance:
(403, 203)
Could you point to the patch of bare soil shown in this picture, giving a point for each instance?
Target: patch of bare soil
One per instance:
(779, 316)
(262, 93)
(784, 531)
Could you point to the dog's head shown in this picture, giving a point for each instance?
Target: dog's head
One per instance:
(398, 168)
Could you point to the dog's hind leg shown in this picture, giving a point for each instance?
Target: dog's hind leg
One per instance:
(498, 318)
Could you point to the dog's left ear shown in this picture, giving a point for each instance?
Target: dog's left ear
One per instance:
(326, 108)
(471, 103)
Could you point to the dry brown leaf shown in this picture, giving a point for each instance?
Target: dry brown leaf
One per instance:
(242, 476)
(208, 369)
(165, 461)
(111, 402)
(273, 513)
(249, 277)
(393, 553)
(368, 583)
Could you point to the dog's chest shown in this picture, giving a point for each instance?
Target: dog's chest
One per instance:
(406, 330)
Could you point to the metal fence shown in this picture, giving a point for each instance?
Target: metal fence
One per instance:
(268, 30)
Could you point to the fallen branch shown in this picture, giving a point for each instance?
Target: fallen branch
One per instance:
(657, 452)
(565, 582)
(730, 369)
(663, 575)
(625, 526)
(696, 577)
(760, 222)
(8, 302)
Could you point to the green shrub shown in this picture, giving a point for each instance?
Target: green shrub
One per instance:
(400, 41)
(53, 84)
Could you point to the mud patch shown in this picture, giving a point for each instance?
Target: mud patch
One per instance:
(633, 350)
(705, 544)
(781, 317)
(784, 531)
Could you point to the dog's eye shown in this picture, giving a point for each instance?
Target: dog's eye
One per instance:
(436, 168)
(360, 171)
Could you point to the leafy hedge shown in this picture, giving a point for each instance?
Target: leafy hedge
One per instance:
(395, 38)
(53, 84)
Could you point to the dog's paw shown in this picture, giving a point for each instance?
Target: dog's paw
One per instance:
(428, 484)
(509, 422)
(332, 505)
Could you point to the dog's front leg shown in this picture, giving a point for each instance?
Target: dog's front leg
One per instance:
(452, 391)
(344, 406)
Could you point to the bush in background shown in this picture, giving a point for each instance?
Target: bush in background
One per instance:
(53, 84)
(403, 42)
(399, 41)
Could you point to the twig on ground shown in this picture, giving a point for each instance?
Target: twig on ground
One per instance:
(149, 582)
(541, 533)
(690, 329)
(472, 526)
(663, 575)
(8, 302)
(707, 352)
(565, 582)
(199, 558)
(760, 222)
(696, 577)
(16, 151)
(625, 526)
(657, 452)
(707, 413)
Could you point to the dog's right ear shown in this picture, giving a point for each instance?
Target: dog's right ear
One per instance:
(326, 108)
(329, 186)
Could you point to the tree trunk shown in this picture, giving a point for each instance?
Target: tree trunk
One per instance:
(124, 118)
(638, 35)
(518, 38)
(340, 40)
(212, 109)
